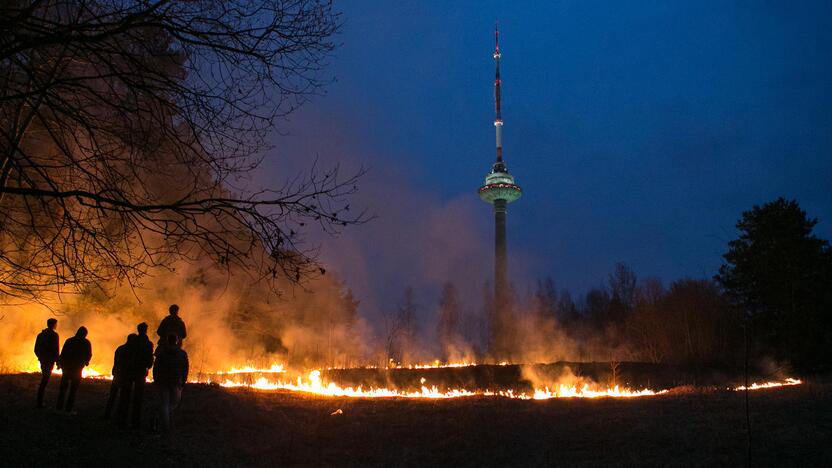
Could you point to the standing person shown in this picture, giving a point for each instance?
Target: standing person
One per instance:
(75, 355)
(46, 349)
(170, 372)
(172, 324)
(121, 380)
(142, 361)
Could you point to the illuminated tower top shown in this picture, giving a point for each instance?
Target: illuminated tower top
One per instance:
(499, 184)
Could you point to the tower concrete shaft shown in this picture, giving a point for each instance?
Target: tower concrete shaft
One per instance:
(500, 256)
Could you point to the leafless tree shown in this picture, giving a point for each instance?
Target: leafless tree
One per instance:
(400, 329)
(622, 288)
(127, 130)
(647, 325)
(448, 323)
(615, 370)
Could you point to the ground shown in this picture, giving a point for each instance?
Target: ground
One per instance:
(239, 427)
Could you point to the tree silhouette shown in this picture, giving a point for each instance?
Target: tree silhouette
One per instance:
(545, 299)
(780, 274)
(622, 286)
(400, 329)
(448, 323)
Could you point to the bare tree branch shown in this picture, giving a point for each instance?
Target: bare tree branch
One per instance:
(126, 129)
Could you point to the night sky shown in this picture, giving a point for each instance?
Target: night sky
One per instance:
(639, 132)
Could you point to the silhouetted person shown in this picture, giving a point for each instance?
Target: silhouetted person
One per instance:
(170, 372)
(141, 361)
(120, 388)
(46, 349)
(172, 324)
(75, 355)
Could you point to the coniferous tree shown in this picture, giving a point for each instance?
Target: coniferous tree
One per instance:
(780, 275)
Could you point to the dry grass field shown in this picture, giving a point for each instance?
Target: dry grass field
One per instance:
(240, 427)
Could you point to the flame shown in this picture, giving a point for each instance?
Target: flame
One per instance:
(87, 373)
(33, 367)
(314, 385)
(393, 365)
(438, 365)
(90, 373)
(757, 386)
(565, 391)
(248, 369)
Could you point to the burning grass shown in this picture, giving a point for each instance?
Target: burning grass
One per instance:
(314, 384)
(438, 381)
(241, 426)
(757, 386)
(460, 380)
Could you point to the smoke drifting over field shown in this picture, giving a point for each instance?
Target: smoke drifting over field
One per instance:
(230, 321)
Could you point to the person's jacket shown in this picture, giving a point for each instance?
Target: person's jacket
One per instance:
(76, 354)
(142, 359)
(172, 324)
(121, 360)
(171, 366)
(46, 346)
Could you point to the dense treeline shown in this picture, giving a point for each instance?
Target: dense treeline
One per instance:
(688, 322)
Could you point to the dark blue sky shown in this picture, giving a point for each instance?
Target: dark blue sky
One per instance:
(639, 132)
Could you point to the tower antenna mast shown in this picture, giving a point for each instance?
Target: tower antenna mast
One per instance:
(498, 118)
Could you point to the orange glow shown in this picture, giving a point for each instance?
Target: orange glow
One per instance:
(33, 367)
(437, 365)
(757, 386)
(248, 369)
(271, 379)
(313, 384)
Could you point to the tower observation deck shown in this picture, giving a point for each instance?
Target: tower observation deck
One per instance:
(499, 190)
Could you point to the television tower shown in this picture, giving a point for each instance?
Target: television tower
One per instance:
(499, 190)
